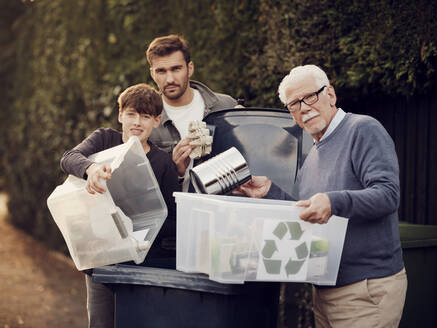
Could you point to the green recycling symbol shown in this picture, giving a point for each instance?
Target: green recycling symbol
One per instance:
(293, 227)
(289, 260)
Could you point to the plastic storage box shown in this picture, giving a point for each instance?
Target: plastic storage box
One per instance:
(119, 225)
(238, 239)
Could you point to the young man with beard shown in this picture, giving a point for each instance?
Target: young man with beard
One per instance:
(184, 100)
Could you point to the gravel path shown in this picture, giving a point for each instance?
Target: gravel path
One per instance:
(39, 288)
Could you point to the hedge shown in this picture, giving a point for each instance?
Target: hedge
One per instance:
(69, 60)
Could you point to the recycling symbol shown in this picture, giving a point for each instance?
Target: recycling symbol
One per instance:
(285, 250)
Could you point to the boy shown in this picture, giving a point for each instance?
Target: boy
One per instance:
(140, 108)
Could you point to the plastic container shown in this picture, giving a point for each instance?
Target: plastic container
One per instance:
(238, 239)
(119, 225)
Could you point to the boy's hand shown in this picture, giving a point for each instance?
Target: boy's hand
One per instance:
(181, 155)
(96, 172)
(256, 187)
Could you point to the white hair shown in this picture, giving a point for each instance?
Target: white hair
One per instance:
(316, 72)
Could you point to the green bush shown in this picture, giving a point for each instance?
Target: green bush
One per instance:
(69, 60)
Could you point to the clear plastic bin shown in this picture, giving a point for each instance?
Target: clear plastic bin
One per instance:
(237, 239)
(119, 225)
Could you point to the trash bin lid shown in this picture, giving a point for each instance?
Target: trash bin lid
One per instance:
(417, 235)
(269, 139)
(148, 276)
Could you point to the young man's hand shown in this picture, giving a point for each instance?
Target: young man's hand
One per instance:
(256, 187)
(318, 208)
(181, 155)
(96, 172)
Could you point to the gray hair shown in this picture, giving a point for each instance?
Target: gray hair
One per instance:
(316, 72)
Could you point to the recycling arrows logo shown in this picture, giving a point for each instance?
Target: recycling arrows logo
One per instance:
(285, 250)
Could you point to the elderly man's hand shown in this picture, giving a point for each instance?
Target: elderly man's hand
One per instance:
(95, 173)
(181, 155)
(257, 187)
(318, 209)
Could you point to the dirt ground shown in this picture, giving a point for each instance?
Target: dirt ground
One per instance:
(38, 287)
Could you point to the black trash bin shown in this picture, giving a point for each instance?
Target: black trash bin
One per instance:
(419, 245)
(153, 297)
(269, 139)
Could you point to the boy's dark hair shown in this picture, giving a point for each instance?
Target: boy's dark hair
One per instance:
(141, 97)
(166, 45)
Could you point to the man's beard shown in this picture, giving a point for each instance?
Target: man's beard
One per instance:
(176, 95)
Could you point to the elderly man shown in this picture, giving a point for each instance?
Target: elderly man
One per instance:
(351, 171)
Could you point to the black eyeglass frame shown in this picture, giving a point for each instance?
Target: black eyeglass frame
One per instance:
(303, 100)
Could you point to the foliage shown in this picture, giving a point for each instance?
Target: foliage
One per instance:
(9, 11)
(295, 305)
(67, 61)
(366, 47)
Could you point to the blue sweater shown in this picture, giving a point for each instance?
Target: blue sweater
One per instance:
(356, 166)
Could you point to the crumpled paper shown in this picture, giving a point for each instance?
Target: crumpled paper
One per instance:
(201, 139)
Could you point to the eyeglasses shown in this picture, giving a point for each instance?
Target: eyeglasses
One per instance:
(310, 99)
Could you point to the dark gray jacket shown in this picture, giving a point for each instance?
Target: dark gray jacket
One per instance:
(166, 136)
